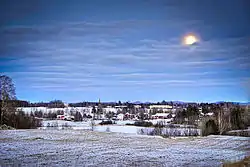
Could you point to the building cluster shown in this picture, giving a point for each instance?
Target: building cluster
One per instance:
(119, 112)
(125, 111)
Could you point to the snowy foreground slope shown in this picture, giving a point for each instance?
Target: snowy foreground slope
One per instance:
(87, 148)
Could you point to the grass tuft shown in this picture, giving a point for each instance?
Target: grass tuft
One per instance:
(243, 163)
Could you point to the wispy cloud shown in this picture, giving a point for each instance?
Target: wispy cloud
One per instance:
(135, 84)
(94, 56)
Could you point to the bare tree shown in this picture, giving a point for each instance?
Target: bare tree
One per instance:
(94, 112)
(92, 124)
(9, 115)
(141, 115)
(223, 121)
(7, 95)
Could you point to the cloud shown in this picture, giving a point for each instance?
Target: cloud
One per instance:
(132, 84)
(84, 56)
(72, 28)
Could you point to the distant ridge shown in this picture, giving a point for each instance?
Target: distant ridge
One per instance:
(242, 103)
(179, 102)
(137, 102)
(176, 102)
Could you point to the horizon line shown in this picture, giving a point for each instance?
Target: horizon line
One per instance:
(141, 102)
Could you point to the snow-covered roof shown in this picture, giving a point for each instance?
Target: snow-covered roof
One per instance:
(210, 114)
(161, 114)
(161, 106)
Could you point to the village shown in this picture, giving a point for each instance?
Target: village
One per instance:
(122, 112)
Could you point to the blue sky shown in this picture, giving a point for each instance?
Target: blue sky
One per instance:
(126, 50)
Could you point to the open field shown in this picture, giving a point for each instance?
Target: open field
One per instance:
(119, 127)
(87, 148)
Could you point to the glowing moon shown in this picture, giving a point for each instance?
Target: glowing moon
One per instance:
(190, 39)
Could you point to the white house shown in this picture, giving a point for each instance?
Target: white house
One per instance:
(110, 109)
(164, 108)
(160, 116)
(120, 116)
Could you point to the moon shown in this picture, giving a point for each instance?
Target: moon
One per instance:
(190, 39)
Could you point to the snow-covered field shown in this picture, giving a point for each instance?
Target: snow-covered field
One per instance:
(39, 147)
(119, 127)
(80, 124)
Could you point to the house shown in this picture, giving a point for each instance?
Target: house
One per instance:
(60, 117)
(210, 114)
(129, 116)
(137, 106)
(110, 109)
(164, 108)
(65, 117)
(160, 116)
(120, 116)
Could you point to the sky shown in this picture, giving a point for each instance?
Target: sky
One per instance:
(83, 50)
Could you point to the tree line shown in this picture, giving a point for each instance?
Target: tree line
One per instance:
(51, 104)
